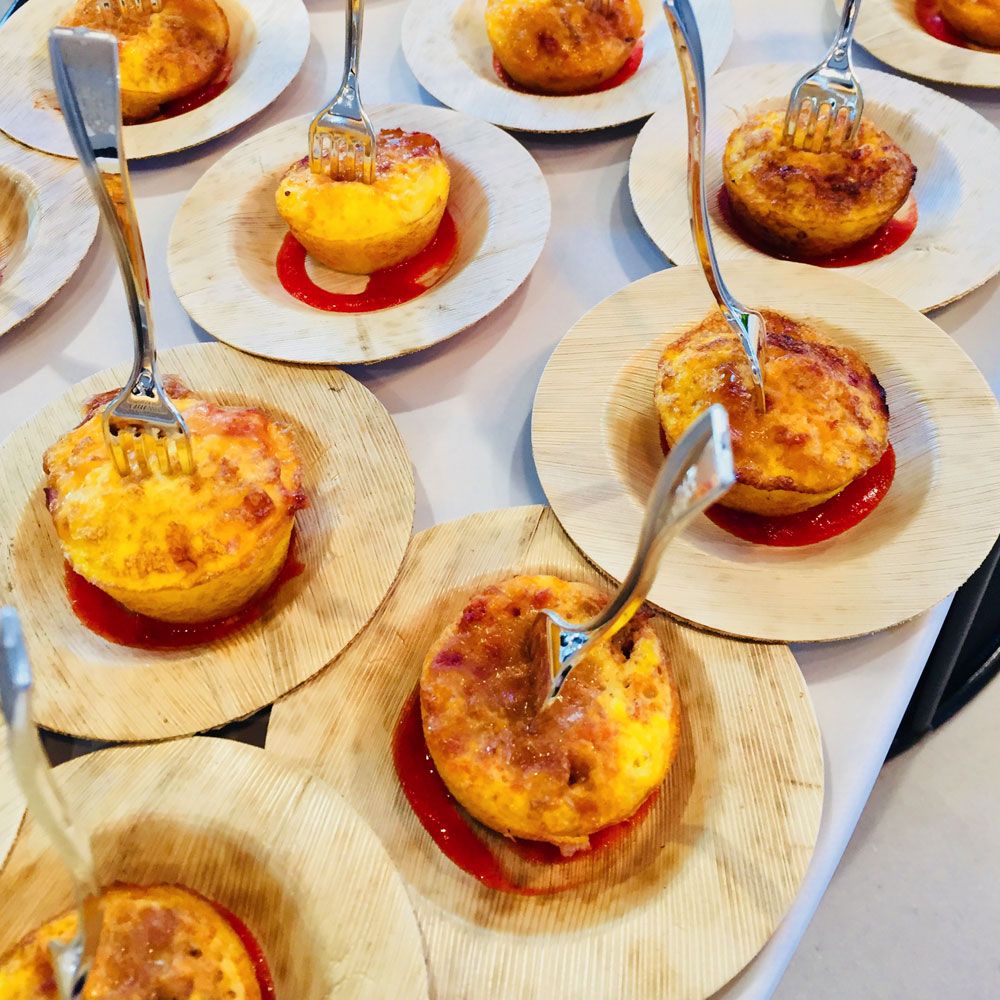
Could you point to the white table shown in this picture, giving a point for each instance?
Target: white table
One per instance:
(463, 407)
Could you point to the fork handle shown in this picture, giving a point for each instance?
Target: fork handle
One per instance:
(85, 70)
(352, 51)
(839, 56)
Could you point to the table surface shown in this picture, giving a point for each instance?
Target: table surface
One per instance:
(463, 407)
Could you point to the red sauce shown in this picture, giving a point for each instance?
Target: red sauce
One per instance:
(391, 286)
(848, 508)
(881, 243)
(211, 90)
(930, 18)
(441, 816)
(628, 70)
(105, 616)
(253, 950)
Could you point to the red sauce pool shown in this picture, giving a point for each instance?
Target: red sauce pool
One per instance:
(253, 949)
(105, 616)
(930, 18)
(391, 286)
(880, 244)
(180, 106)
(628, 69)
(441, 816)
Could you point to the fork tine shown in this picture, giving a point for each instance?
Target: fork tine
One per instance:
(118, 455)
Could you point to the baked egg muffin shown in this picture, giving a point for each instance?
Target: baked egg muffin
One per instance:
(181, 548)
(826, 424)
(978, 20)
(161, 56)
(160, 941)
(590, 759)
(359, 228)
(562, 46)
(807, 204)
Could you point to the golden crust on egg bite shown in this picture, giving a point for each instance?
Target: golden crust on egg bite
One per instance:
(562, 46)
(978, 20)
(181, 548)
(807, 204)
(590, 759)
(156, 941)
(359, 228)
(162, 56)
(826, 424)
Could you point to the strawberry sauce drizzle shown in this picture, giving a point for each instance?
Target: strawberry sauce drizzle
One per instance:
(391, 286)
(629, 68)
(930, 18)
(441, 817)
(253, 950)
(103, 615)
(211, 90)
(881, 243)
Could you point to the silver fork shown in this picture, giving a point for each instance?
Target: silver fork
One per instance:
(141, 421)
(341, 136)
(696, 473)
(832, 84)
(746, 323)
(71, 960)
(129, 8)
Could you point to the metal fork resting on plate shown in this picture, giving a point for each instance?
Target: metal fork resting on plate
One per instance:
(746, 323)
(72, 959)
(831, 85)
(142, 421)
(696, 473)
(341, 136)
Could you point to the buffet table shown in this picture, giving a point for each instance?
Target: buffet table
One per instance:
(463, 407)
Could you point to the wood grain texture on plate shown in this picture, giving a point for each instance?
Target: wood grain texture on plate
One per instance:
(11, 800)
(446, 46)
(351, 539)
(268, 40)
(595, 435)
(48, 220)
(225, 240)
(278, 848)
(673, 910)
(889, 30)
(953, 249)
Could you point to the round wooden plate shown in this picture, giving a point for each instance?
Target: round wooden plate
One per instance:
(595, 435)
(268, 40)
(351, 539)
(889, 30)
(275, 846)
(48, 220)
(225, 240)
(952, 250)
(446, 46)
(672, 911)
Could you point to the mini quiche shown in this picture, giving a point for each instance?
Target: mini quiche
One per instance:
(162, 56)
(826, 423)
(156, 941)
(360, 228)
(588, 760)
(562, 46)
(181, 548)
(978, 20)
(807, 204)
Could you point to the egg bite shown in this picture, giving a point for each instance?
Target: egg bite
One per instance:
(562, 46)
(360, 228)
(156, 941)
(162, 56)
(587, 761)
(978, 20)
(180, 548)
(806, 204)
(826, 423)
